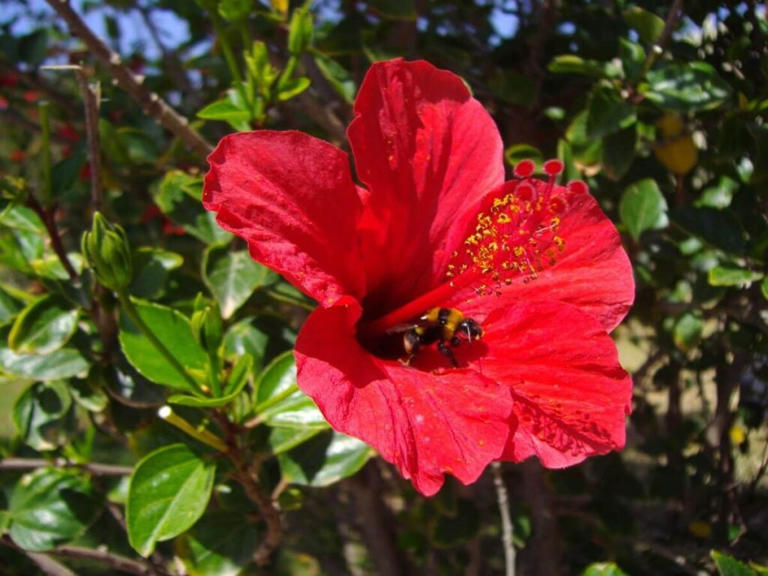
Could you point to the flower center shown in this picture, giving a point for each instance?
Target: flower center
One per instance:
(515, 237)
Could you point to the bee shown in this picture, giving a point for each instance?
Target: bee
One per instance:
(444, 326)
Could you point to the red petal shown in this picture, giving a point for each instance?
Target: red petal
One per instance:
(571, 396)
(427, 151)
(593, 272)
(291, 197)
(426, 423)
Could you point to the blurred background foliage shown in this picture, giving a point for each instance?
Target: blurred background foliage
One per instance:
(660, 106)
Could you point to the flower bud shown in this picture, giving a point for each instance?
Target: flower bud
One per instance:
(106, 250)
(206, 323)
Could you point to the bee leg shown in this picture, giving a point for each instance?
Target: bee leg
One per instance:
(446, 351)
(411, 345)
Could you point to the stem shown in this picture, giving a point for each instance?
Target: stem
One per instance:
(150, 102)
(658, 46)
(91, 104)
(197, 432)
(45, 127)
(93, 469)
(229, 56)
(46, 215)
(506, 520)
(213, 373)
(114, 561)
(133, 314)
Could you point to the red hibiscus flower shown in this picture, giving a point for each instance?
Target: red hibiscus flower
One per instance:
(537, 265)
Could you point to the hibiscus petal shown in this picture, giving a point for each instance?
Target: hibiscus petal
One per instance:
(427, 151)
(426, 423)
(291, 197)
(571, 396)
(592, 273)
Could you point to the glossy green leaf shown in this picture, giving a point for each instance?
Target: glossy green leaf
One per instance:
(603, 569)
(168, 493)
(324, 460)
(151, 268)
(244, 337)
(648, 25)
(730, 566)
(733, 276)
(20, 217)
(573, 64)
(220, 544)
(608, 112)
(43, 326)
(225, 109)
(237, 381)
(686, 87)
(292, 87)
(279, 402)
(643, 207)
(178, 197)
(283, 439)
(232, 277)
(42, 415)
(50, 507)
(632, 58)
(63, 363)
(300, 31)
(175, 332)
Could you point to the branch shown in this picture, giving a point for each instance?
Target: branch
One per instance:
(669, 25)
(150, 102)
(49, 220)
(94, 469)
(506, 519)
(91, 104)
(249, 478)
(114, 561)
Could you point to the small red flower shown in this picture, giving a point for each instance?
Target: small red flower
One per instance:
(537, 265)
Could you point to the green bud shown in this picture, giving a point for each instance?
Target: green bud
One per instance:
(206, 323)
(107, 251)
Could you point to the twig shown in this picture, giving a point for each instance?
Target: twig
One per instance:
(669, 25)
(47, 216)
(249, 478)
(114, 561)
(150, 102)
(91, 104)
(506, 520)
(46, 564)
(34, 463)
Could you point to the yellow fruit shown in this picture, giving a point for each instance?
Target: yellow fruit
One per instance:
(678, 150)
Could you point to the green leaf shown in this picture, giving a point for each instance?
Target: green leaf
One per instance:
(687, 331)
(237, 381)
(719, 228)
(50, 507)
(178, 197)
(764, 288)
(608, 112)
(225, 109)
(57, 365)
(648, 26)
(338, 77)
(65, 173)
(234, 10)
(292, 87)
(324, 460)
(168, 493)
(42, 415)
(245, 338)
(20, 217)
(685, 87)
(151, 267)
(729, 566)
(732, 276)
(9, 306)
(279, 402)
(603, 569)
(632, 58)
(175, 332)
(619, 153)
(573, 64)
(232, 277)
(43, 327)
(518, 152)
(220, 544)
(643, 207)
